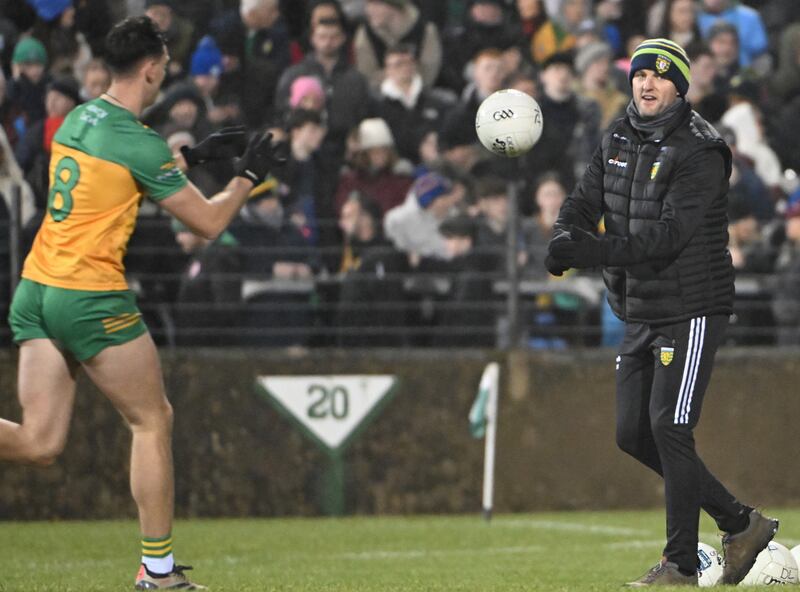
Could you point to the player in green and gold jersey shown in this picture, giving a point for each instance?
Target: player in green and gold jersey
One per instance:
(73, 309)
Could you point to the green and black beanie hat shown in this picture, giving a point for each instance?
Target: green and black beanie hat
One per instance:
(665, 57)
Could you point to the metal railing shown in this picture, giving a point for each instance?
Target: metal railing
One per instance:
(418, 309)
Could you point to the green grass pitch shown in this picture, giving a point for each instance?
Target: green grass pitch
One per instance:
(569, 551)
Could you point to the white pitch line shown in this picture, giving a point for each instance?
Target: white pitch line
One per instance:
(573, 527)
(420, 553)
(640, 544)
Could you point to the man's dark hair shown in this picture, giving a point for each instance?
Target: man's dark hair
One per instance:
(457, 226)
(131, 41)
(331, 22)
(299, 117)
(490, 186)
(695, 49)
(402, 49)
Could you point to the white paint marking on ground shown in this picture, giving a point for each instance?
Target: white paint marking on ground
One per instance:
(574, 527)
(419, 553)
(635, 544)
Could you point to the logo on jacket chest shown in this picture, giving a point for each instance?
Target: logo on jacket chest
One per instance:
(618, 163)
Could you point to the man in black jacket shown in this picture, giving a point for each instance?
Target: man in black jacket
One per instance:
(660, 181)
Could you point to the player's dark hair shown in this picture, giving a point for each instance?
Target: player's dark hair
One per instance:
(130, 41)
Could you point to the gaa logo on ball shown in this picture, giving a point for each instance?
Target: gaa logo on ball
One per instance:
(509, 122)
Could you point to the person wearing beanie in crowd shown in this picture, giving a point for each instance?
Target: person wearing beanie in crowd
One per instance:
(660, 182)
(27, 87)
(205, 68)
(307, 93)
(413, 226)
(393, 22)
(377, 170)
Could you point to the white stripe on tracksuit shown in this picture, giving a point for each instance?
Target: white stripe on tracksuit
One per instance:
(694, 351)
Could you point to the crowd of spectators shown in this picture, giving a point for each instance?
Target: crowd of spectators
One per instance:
(389, 224)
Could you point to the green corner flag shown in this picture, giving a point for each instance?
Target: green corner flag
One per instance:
(483, 424)
(477, 413)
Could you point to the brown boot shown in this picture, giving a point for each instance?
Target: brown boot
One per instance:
(741, 549)
(665, 573)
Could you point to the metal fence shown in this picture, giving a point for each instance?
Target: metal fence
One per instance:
(395, 309)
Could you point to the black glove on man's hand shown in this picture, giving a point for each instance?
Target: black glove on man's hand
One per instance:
(261, 157)
(582, 250)
(554, 267)
(225, 143)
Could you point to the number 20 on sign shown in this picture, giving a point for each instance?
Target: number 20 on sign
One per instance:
(329, 409)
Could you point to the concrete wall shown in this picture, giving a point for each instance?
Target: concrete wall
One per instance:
(236, 456)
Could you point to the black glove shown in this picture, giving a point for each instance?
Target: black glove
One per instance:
(261, 157)
(554, 267)
(225, 143)
(582, 250)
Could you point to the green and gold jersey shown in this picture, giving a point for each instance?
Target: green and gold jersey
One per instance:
(103, 161)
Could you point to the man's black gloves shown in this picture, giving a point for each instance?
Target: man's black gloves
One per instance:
(225, 143)
(554, 267)
(261, 157)
(581, 250)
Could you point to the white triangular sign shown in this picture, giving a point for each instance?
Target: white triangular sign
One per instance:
(330, 407)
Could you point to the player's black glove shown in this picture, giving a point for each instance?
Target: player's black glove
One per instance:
(261, 157)
(582, 250)
(225, 143)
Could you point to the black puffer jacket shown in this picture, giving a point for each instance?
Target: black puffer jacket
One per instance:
(664, 202)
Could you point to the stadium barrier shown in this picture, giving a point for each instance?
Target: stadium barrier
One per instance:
(503, 307)
(236, 456)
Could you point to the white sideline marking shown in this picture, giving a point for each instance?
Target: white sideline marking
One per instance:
(574, 527)
(418, 553)
(643, 544)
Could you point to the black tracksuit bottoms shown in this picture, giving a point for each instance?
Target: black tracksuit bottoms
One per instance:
(662, 375)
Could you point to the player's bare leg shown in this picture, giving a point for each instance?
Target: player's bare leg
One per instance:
(130, 376)
(46, 387)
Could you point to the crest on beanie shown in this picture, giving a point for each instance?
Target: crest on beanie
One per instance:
(662, 64)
